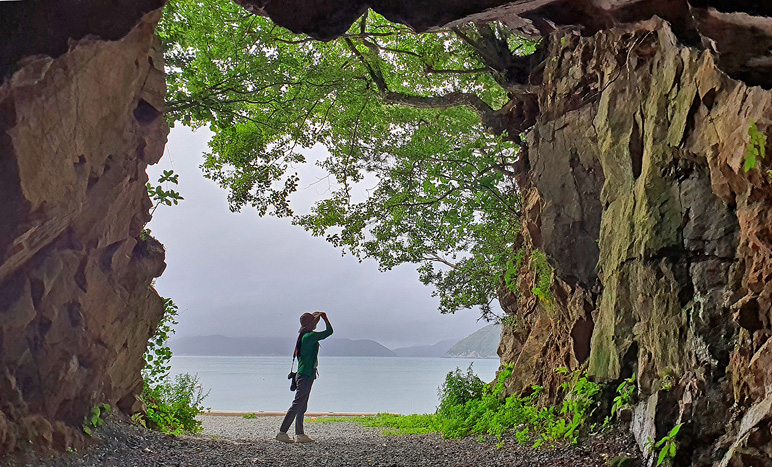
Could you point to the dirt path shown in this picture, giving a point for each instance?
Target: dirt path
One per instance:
(231, 441)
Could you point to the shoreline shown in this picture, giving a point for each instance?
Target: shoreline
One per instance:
(233, 413)
(174, 355)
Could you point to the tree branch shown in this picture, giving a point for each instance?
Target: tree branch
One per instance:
(439, 259)
(453, 99)
(377, 77)
(431, 70)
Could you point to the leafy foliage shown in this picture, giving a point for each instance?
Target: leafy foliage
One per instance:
(667, 447)
(421, 121)
(625, 393)
(94, 419)
(160, 196)
(468, 409)
(757, 148)
(458, 389)
(513, 266)
(172, 404)
(543, 276)
(511, 321)
(158, 354)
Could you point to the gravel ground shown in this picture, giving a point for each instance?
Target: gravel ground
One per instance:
(234, 441)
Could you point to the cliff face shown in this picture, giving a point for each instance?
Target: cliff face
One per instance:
(76, 306)
(658, 238)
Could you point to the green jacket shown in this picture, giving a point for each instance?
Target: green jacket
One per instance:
(309, 350)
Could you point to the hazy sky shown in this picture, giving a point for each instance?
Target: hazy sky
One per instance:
(238, 274)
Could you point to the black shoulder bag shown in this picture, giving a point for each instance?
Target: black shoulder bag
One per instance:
(292, 376)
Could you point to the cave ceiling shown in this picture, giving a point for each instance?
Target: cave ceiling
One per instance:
(740, 33)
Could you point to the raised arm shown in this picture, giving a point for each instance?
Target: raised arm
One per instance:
(328, 326)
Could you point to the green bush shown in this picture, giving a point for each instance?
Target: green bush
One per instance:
(469, 407)
(458, 389)
(172, 404)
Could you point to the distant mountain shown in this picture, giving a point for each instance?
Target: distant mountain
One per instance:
(223, 345)
(342, 347)
(480, 344)
(437, 350)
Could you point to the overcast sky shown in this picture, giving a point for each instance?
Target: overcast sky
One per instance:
(238, 274)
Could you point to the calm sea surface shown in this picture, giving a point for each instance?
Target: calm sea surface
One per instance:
(345, 384)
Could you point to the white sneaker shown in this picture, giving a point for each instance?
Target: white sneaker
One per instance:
(284, 438)
(303, 439)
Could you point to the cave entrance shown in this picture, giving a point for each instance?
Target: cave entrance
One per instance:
(242, 281)
(391, 145)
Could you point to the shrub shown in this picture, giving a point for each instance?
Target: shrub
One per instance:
(469, 407)
(172, 404)
(458, 389)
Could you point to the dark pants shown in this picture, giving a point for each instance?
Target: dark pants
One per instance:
(299, 405)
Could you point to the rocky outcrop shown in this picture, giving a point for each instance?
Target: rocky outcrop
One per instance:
(658, 238)
(76, 302)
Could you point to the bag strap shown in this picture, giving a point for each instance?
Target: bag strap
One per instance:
(292, 367)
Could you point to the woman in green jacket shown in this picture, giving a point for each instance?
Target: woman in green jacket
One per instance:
(306, 351)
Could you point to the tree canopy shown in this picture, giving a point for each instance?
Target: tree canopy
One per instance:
(434, 118)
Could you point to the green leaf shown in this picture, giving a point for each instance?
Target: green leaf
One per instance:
(661, 457)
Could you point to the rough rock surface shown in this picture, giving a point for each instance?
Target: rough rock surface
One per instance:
(76, 306)
(659, 240)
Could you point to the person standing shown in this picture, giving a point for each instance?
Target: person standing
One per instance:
(306, 351)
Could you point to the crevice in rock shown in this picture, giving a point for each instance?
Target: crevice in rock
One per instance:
(11, 204)
(709, 99)
(80, 275)
(581, 335)
(37, 289)
(144, 113)
(630, 362)
(748, 316)
(74, 313)
(106, 258)
(636, 148)
(686, 293)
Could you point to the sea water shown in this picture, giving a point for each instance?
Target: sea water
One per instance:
(345, 384)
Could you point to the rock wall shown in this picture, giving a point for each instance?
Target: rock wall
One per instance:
(659, 240)
(76, 304)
